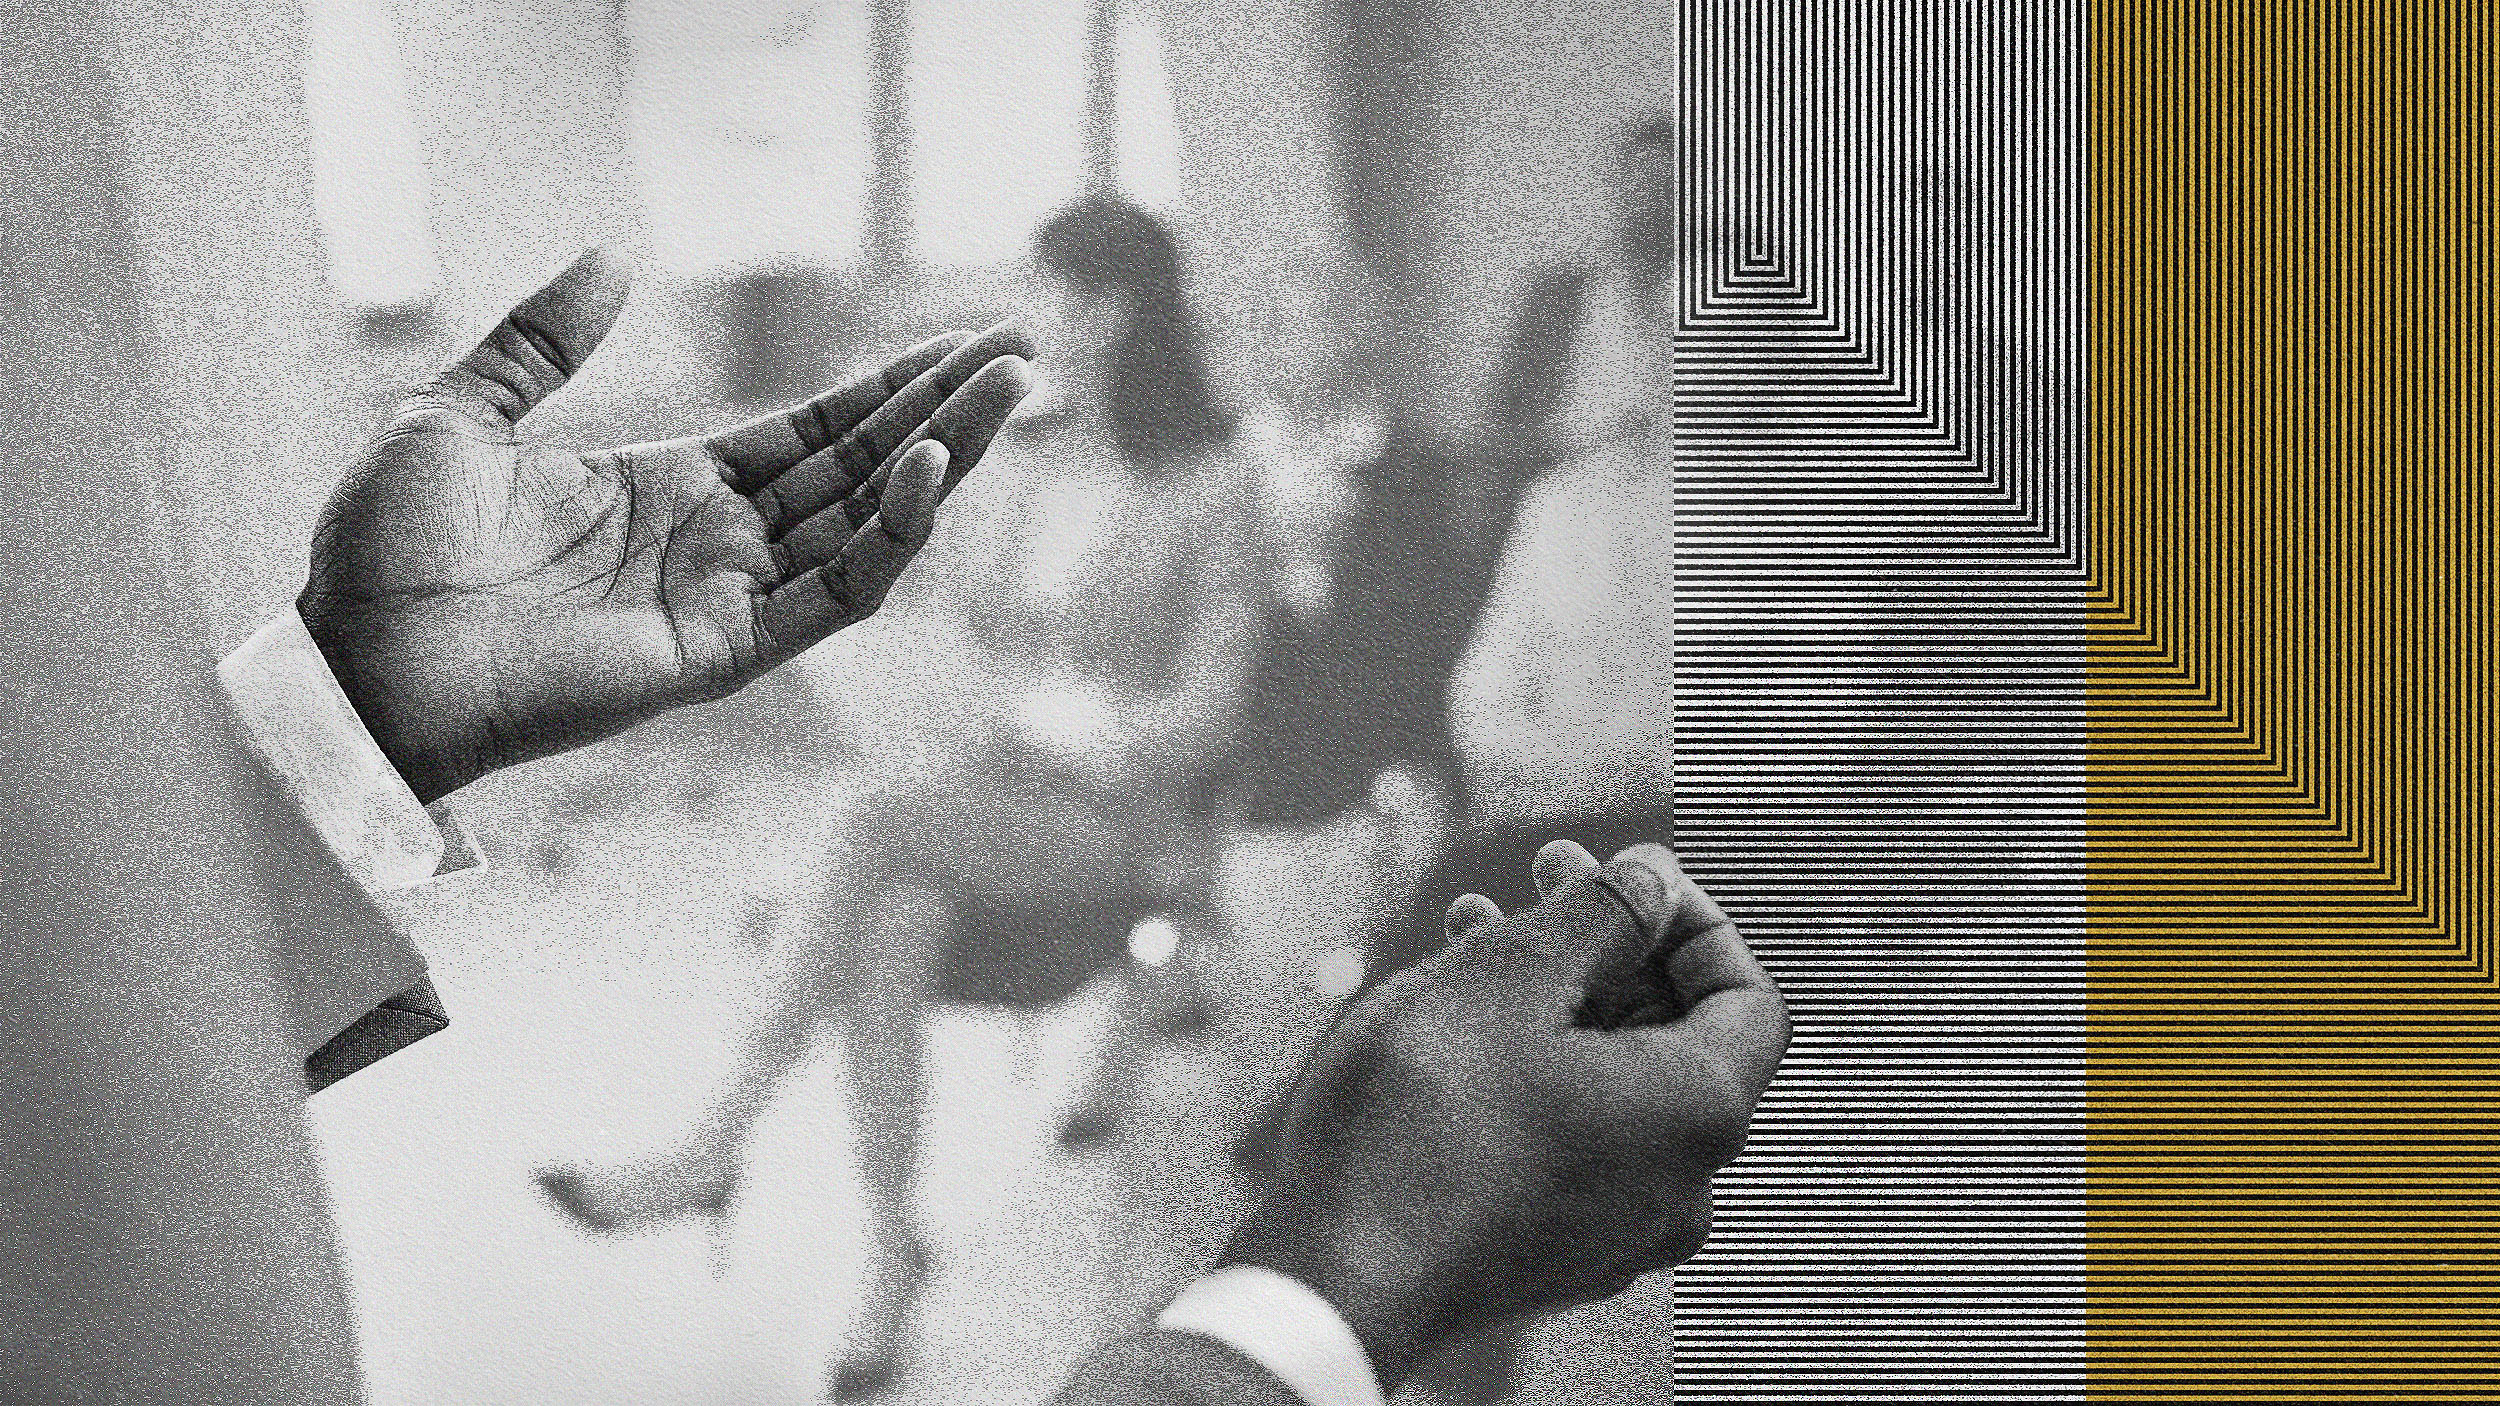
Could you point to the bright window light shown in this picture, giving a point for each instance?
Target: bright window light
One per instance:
(750, 130)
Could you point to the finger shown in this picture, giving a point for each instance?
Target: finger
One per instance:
(1728, 1001)
(1558, 863)
(539, 344)
(967, 424)
(1467, 912)
(916, 481)
(831, 473)
(753, 454)
(1578, 920)
(1605, 932)
(1746, 1027)
(1691, 938)
(850, 587)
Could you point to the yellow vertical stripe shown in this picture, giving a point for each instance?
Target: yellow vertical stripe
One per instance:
(2294, 1095)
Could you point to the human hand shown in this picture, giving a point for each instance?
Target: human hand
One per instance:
(485, 599)
(1531, 1119)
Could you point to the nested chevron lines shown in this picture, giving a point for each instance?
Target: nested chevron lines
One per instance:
(2239, 674)
(1880, 668)
(2295, 1041)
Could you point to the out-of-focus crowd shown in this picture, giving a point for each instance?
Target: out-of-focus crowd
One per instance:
(1159, 628)
(1139, 644)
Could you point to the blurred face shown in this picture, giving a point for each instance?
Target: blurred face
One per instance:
(1078, 329)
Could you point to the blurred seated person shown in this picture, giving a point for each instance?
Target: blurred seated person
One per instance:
(184, 973)
(1535, 660)
(1093, 613)
(1560, 705)
(1618, 383)
(1349, 710)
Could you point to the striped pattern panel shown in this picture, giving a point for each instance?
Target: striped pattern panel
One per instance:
(2295, 1043)
(1880, 687)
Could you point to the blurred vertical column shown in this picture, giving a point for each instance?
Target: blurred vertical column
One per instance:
(259, 371)
(770, 151)
(889, 250)
(998, 110)
(163, 1233)
(518, 107)
(1102, 94)
(368, 176)
(1251, 92)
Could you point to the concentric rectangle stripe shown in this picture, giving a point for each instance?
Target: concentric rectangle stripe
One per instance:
(2176, 579)
(1880, 685)
(2294, 1040)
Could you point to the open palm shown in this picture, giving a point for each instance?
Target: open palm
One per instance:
(485, 599)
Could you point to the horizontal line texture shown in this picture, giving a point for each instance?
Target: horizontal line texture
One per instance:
(2295, 1047)
(1880, 686)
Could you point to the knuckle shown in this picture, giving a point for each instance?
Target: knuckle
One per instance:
(910, 536)
(813, 424)
(854, 457)
(495, 380)
(1718, 1123)
(854, 598)
(521, 339)
(1685, 1228)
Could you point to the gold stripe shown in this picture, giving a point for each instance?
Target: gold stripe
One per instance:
(2294, 1094)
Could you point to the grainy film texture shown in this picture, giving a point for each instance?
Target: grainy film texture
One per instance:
(1879, 621)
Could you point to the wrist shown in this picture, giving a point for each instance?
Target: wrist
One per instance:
(427, 771)
(1360, 1272)
(1293, 1334)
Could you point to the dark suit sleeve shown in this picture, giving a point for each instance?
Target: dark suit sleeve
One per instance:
(388, 1028)
(1170, 1369)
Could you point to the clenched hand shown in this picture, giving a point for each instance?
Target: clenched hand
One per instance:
(1531, 1119)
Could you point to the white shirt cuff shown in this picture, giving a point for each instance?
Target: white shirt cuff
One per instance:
(1283, 1325)
(300, 724)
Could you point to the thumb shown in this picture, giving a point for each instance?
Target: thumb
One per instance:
(540, 343)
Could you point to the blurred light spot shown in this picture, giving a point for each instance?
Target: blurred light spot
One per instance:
(1336, 972)
(1154, 941)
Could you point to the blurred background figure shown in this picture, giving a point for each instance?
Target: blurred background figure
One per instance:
(1630, 299)
(1561, 705)
(1375, 348)
(1512, 660)
(368, 175)
(1094, 604)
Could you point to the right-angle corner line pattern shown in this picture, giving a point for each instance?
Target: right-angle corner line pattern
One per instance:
(2294, 1037)
(1880, 590)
